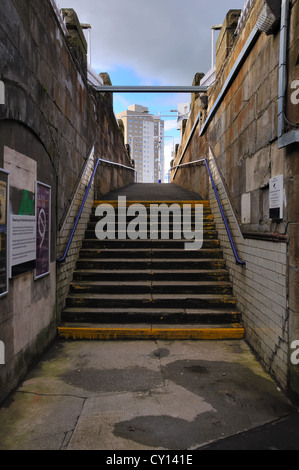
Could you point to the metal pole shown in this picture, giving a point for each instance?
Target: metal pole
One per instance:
(88, 27)
(89, 47)
(216, 27)
(151, 89)
(212, 48)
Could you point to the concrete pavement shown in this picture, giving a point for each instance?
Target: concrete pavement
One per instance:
(147, 395)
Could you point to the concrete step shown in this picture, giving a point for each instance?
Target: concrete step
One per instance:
(149, 253)
(170, 217)
(167, 234)
(207, 225)
(172, 206)
(154, 264)
(208, 218)
(148, 274)
(147, 203)
(149, 315)
(151, 287)
(149, 332)
(128, 243)
(148, 300)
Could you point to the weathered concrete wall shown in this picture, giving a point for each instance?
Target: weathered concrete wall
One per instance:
(292, 169)
(241, 143)
(51, 121)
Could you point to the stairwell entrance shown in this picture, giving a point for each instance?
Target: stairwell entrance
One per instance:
(154, 288)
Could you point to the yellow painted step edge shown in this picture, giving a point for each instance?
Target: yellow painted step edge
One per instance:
(236, 332)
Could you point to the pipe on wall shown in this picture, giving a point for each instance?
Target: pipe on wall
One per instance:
(291, 136)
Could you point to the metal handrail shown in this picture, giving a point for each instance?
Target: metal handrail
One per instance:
(118, 164)
(61, 260)
(205, 161)
(121, 165)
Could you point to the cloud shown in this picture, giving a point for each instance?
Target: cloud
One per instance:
(121, 101)
(164, 41)
(170, 125)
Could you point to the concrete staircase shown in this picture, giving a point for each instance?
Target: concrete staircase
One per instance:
(144, 289)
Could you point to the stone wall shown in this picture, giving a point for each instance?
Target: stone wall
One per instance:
(239, 137)
(51, 121)
(260, 287)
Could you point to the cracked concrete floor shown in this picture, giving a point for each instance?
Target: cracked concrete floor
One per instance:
(139, 395)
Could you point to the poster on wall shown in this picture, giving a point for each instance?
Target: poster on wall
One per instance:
(22, 224)
(43, 229)
(22, 244)
(4, 198)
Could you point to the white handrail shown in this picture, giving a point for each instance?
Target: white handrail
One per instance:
(59, 16)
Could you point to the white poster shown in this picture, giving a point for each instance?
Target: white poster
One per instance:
(22, 240)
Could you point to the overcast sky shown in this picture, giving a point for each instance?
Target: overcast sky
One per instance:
(151, 42)
(164, 41)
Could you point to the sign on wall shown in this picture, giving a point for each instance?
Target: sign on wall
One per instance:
(22, 244)
(4, 198)
(43, 229)
(22, 226)
(276, 197)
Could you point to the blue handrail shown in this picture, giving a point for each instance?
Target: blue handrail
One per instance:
(205, 161)
(238, 261)
(61, 260)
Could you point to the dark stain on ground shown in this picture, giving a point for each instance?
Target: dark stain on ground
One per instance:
(159, 353)
(279, 435)
(227, 387)
(196, 370)
(159, 431)
(132, 379)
